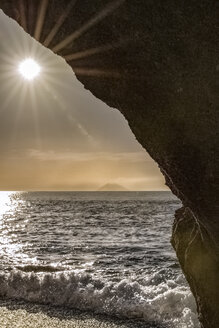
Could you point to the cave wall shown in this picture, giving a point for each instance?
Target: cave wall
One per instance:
(158, 63)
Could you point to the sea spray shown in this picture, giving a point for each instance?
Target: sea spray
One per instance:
(148, 299)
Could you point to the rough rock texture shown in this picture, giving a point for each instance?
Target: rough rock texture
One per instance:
(157, 62)
(199, 262)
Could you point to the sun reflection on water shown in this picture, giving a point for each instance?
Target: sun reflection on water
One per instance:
(5, 202)
(11, 249)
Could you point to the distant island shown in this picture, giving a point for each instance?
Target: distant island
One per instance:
(112, 187)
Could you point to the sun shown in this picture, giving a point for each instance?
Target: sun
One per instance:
(29, 69)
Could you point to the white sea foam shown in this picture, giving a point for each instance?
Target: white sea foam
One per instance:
(115, 241)
(151, 299)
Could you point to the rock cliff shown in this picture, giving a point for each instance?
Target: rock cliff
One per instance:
(157, 62)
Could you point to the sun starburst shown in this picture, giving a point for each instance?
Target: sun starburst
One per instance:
(29, 69)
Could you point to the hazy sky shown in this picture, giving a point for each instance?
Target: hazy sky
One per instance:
(54, 134)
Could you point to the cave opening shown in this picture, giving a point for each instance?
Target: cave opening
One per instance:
(66, 139)
(145, 69)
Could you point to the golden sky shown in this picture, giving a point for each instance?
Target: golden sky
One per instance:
(54, 134)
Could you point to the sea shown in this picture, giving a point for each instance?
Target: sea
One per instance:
(100, 252)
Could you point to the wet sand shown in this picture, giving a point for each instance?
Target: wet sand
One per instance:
(26, 315)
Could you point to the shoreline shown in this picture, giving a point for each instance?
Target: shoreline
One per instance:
(21, 314)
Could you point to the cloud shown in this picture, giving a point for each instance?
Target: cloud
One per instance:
(52, 155)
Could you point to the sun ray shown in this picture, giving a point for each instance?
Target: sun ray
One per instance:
(31, 16)
(93, 51)
(37, 52)
(23, 20)
(19, 109)
(20, 46)
(15, 12)
(59, 23)
(11, 95)
(9, 83)
(57, 82)
(93, 21)
(97, 72)
(47, 85)
(53, 93)
(33, 100)
(40, 19)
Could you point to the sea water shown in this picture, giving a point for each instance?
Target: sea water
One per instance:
(103, 252)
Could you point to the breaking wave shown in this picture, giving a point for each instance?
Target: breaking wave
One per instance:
(152, 299)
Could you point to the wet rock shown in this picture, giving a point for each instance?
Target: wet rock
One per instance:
(198, 260)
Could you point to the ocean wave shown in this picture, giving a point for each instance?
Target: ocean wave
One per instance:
(151, 299)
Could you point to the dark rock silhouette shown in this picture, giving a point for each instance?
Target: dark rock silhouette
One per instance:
(156, 62)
